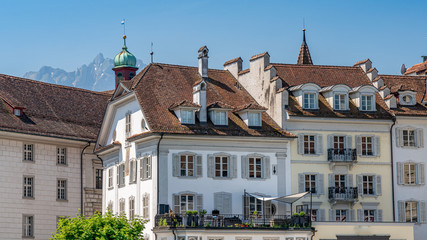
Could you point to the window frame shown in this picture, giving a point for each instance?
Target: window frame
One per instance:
(111, 178)
(220, 118)
(28, 154)
(221, 164)
(411, 211)
(61, 156)
(27, 226)
(254, 119)
(255, 165)
(368, 182)
(61, 190)
(26, 186)
(121, 175)
(128, 124)
(122, 206)
(187, 116)
(309, 103)
(131, 207)
(186, 202)
(364, 106)
(365, 146)
(368, 217)
(408, 140)
(310, 183)
(340, 101)
(146, 206)
(187, 168)
(339, 217)
(99, 178)
(414, 173)
(311, 150)
(145, 168)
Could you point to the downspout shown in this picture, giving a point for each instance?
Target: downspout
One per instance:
(158, 171)
(392, 166)
(81, 178)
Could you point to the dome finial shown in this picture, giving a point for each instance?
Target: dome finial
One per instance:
(124, 42)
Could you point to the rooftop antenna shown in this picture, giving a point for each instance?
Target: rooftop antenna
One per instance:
(151, 53)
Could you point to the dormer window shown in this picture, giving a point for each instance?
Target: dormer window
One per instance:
(309, 101)
(364, 97)
(218, 113)
(185, 111)
(251, 114)
(220, 118)
(187, 116)
(17, 112)
(407, 98)
(340, 101)
(254, 119)
(367, 103)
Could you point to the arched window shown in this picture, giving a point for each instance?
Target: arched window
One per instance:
(119, 77)
(131, 75)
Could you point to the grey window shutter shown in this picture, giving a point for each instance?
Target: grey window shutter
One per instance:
(218, 202)
(144, 168)
(176, 204)
(420, 137)
(360, 215)
(351, 215)
(301, 182)
(378, 190)
(349, 180)
(377, 149)
(267, 209)
(401, 211)
(150, 164)
(319, 144)
(227, 203)
(245, 167)
(211, 166)
(379, 217)
(246, 206)
(233, 166)
(420, 173)
(175, 165)
(359, 145)
(199, 202)
(359, 182)
(199, 170)
(301, 143)
(400, 174)
(422, 212)
(266, 162)
(321, 213)
(399, 140)
(321, 182)
(348, 142)
(331, 180)
(147, 197)
(332, 217)
(118, 175)
(330, 141)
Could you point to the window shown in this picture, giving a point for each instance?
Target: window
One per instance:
(339, 142)
(61, 189)
(309, 146)
(187, 166)
(17, 112)
(28, 226)
(367, 103)
(254, 119)
(221, 166)
(408, 138)
(128, 124)
(367, 149)
(61, 156)
(223, 202)
(187, 203)
(28, 152)
(314, 214)
(255, 167)
(411, 211)
(98, 178)
(119, 77)
(368, 185)
(310, 183)
(407, 99)
(409, 173)
(110, 206)
(341, 215)
(110, 177)
(121, 175)
(131, 208)
(131, 75)
(146, 206)
(122, 206)
(340, 101)
(369, 215)
(29, 187)
(132, 171)
(253, 204)
(309, 101)
(145, 168)
(221, 118)
(187, 116)
(340, 183)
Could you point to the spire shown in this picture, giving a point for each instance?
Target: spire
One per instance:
(124, 43)
(304, 54)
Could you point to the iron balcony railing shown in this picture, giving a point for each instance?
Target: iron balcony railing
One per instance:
(342, 155)
(343, 193)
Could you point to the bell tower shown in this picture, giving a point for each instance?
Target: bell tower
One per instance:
(124, 65)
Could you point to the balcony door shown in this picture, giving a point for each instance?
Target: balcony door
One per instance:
(340, 183)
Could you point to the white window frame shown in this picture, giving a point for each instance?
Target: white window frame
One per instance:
(128, 124)
(110, 177)
(223, 160)
(28, 152)
(369, 215)
(146, 206)
(309, 100)
(221, 118)
(61, 189)
(408, 142)
(365, 146)
(307, 142)
(28, 226)
(99, 175)
(187, 116)
(310, 183)
(122, 206)
(186, 204)
(185, 172)
(28, 187)
(411, 211)
(145, 168)
(314, 215)
(254, 119)
(255, 171)
(411, 174)
(61, 156)
(366, 183)
(131, 207)
(121, 175)
(132, 171)
(364, 103)
(342, 217)
(340, 101)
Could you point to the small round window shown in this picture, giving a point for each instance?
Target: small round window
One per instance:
(407, 99)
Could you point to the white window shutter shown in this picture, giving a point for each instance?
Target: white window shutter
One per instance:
(360, 215)
(144, 168)
(379, 216)
(218, 202)
(332, 216)
(349, 180)
(175, 165)
(118, 175)
(199, 202)
(351, 214)
(420, 137)
(233, 166)
(135, 167)
(321, 215)
(301, 143)
(377, 149)
(359, 145)
(266, 162)
(420, 173)
(359, 182)
(176, 204)
(246, 210)
(399, 136)
(401, 211)
(348, 142)
(400, 174)
(330, 141)
(211, 166)
(378, 190)
(331, 180)
(319, 144)
(199, 166)
(301, 182)
(422, 213)
(147, 197)
(150, 164)
(321, 182)
(227, 203)
(245, 167)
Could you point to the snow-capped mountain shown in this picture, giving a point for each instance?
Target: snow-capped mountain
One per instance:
(96, 76)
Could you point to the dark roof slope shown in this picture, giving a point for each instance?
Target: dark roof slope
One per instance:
(51, 110)
(159, 86)
(419, 69)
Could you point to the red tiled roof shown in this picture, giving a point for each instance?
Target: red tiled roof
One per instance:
(219, 104)
(250, 106)
(161, 85)
(361, 62)
(52, 110)
(370, 70)
(244, 71)
(232, 61)
(184, 103)
(420, 68)
(258, 56)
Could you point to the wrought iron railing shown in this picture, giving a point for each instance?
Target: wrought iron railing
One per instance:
(343, 193)
(342, 155)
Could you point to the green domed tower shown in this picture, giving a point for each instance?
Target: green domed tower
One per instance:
(124, 64)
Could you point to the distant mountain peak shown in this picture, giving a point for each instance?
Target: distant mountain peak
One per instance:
(97, 75)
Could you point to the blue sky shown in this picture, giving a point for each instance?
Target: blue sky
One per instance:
(67, 34)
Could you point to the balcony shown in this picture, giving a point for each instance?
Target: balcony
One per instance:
(342, 155)
(346, 194)
(232, 221)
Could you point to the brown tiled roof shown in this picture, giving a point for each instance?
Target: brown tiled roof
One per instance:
(325, 76)
(382, 88)
(244, 71)
(420, 68)
(52, 110)
(232, 61)
(376, 79)
(370, 70)
(184, 103)
(361, 62)
(274, 78)
(414, 83)
(219, 104)
(250, 106)
(388, 96)
(161, 85)
(258, 56)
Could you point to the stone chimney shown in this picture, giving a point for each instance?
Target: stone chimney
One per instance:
(234, 66)
(203, 61)
(199, 97)
(424, 58)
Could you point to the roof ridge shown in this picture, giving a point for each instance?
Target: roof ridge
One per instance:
(404, 76)
(306, 65)
(54, 85)
(184, 66)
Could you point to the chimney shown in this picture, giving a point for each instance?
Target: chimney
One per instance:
(199, 97)
(234, 66)
(424, 58)
(203, 61)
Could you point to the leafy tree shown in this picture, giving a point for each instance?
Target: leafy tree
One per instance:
(99, 227)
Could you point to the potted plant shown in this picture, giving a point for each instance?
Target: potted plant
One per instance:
(195, 219)
(202, 216)
(190, 218)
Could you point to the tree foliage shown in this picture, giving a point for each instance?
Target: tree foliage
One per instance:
(99, 227)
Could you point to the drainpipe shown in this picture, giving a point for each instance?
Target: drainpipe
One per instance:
(81, 178)
(158, 171)
(392, 166)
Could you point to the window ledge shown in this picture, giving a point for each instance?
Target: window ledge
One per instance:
(27, 237)
(28, 161)
(186, 177)
(311, 155)
(110, 188)
(29, 198)
(145, 179)
(221, 178)
(61, 165)
(257, 179)
(123, 185)
(62, 200)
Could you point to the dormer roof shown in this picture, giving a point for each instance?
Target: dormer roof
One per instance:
(220, 105)
(250, 106)
(184, 104)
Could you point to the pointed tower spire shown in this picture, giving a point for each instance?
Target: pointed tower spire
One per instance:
(304, 54)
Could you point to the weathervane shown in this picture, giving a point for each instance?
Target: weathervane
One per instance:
(124, 26)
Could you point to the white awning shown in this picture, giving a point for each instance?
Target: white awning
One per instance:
(286, 199)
